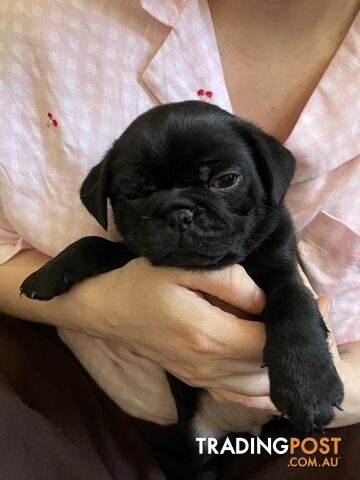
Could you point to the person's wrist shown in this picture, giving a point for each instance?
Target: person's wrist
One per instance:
(97, 309)
(90, 308)
(79, 310)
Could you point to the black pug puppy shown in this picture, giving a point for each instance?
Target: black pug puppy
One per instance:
(196, 187)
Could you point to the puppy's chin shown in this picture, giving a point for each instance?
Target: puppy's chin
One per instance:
(193, 260)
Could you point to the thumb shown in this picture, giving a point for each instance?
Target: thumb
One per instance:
(231, 284)
(324, 304)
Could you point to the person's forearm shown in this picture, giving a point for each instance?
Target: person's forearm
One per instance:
(62, 311)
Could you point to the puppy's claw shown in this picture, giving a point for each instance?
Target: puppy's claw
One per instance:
(263, 365)
(320, 428)
(338, 407)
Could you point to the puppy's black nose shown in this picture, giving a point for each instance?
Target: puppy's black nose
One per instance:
(180, 218)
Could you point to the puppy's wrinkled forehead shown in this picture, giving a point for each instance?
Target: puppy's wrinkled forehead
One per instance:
(176, 145)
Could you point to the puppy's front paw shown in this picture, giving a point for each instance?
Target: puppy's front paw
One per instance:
(305, 386)
(49, 281)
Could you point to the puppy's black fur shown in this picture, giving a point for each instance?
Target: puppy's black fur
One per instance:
(193, 186)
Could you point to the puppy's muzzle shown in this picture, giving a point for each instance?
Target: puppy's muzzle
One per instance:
(180, 219)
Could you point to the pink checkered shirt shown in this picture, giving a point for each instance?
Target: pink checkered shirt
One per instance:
(96, 66)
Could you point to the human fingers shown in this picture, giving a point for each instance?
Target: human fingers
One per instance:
(231, 284)
(249, 384)
(263, 403)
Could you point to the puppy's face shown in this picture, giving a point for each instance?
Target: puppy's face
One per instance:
(190, 185)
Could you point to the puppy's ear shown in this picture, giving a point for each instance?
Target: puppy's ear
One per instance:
(275, 164)
(94, 191)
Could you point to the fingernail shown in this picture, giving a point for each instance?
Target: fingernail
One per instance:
(329, 305)
(259, 299)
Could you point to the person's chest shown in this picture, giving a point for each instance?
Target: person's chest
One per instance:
(272, 96)
(272, 90)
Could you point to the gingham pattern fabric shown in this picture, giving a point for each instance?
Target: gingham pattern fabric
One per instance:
(96, 66)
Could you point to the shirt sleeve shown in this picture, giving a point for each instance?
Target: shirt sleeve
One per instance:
(10, 242)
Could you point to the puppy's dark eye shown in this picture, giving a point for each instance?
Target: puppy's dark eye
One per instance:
(225, 181)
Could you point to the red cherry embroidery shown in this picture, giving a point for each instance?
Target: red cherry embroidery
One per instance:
(51, 120)
(204, 93)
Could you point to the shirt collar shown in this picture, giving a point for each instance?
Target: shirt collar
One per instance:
(165, 11)
(327, 133)
(188, 59)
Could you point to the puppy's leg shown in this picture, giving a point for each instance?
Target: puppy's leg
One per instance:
(304, 383)
(84, 258)
(188, 401)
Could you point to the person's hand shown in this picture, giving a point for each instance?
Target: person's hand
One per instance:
(252, 389)
(138, 320)
(159, 313)
(171, 323)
